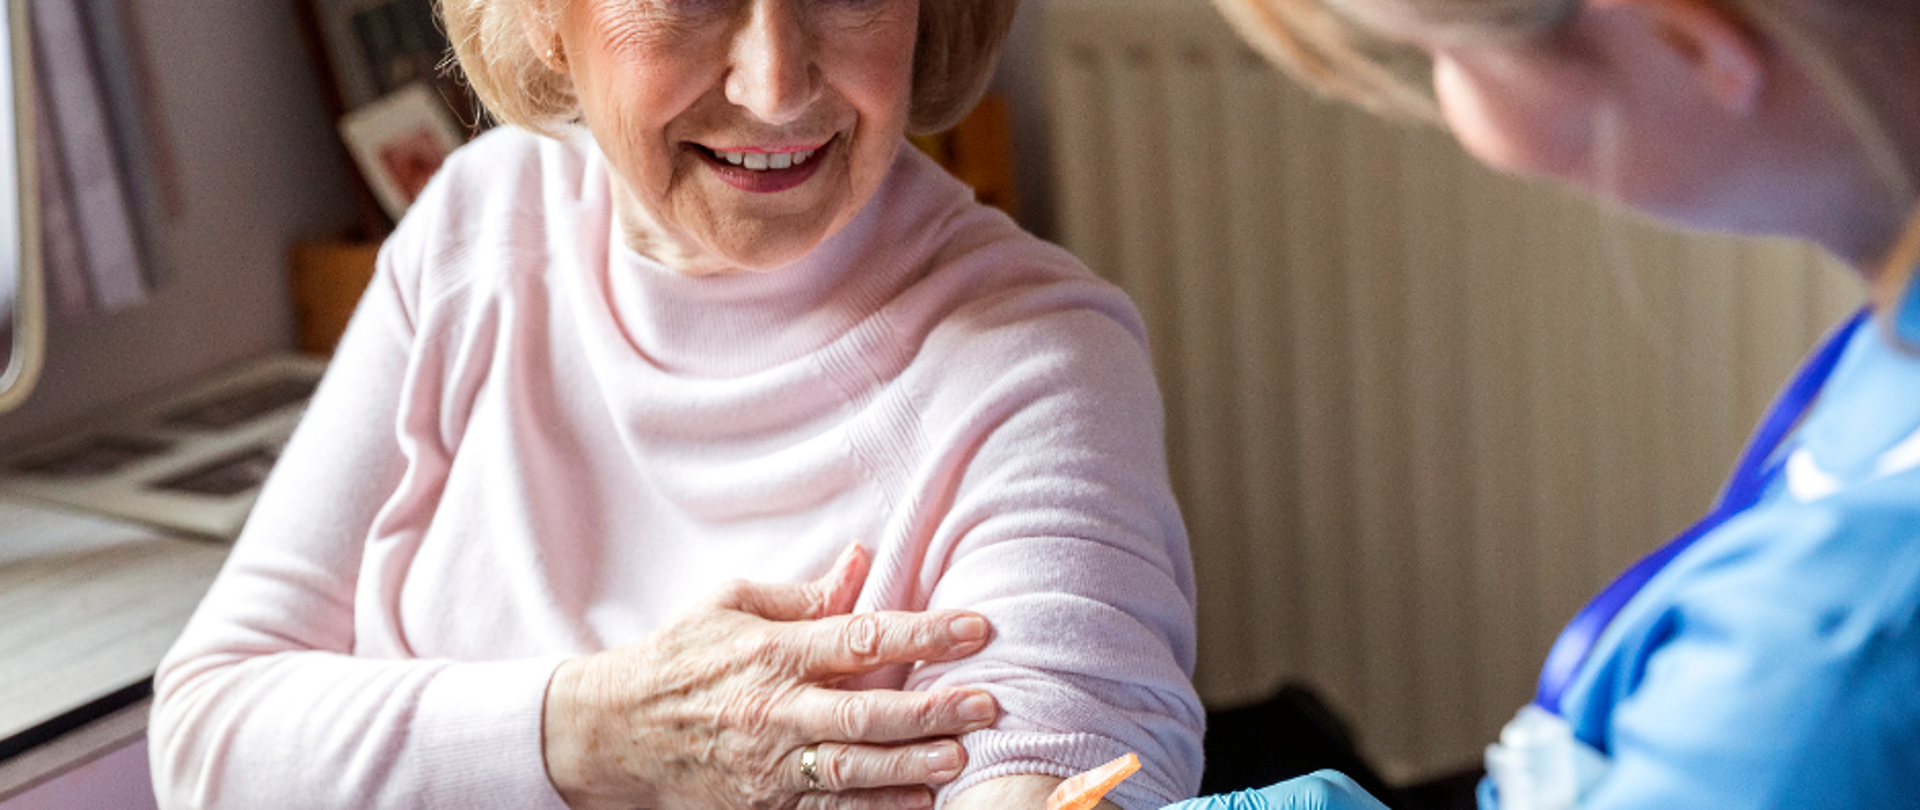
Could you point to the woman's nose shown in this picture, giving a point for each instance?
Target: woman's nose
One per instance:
(773, 74)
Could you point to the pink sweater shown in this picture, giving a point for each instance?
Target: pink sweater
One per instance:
(535, 444)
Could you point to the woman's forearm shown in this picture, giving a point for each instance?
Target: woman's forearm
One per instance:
(318, 729)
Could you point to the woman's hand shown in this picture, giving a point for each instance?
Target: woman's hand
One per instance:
(714, 710)
(1320, 790)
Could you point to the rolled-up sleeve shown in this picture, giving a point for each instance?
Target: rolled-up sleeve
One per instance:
(1062, 529)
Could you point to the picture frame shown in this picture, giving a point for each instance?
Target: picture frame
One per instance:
(399, 141)
(375, 47)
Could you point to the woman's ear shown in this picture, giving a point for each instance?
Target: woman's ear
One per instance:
(540, 23)
(1717, 47)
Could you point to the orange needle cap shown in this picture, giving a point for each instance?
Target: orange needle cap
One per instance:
(1084, 791)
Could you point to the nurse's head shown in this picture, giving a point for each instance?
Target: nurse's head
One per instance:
(1781, 117)
(740, 134)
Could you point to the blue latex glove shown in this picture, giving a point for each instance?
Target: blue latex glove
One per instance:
(1321, 790)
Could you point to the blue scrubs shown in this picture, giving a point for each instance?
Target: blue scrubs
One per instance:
(1776, 662)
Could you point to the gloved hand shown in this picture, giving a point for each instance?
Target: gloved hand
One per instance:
(1321, 790)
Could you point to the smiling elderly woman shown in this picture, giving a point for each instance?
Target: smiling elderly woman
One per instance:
(695, 320)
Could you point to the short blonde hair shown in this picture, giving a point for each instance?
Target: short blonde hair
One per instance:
(959, 42)
(1327, 51)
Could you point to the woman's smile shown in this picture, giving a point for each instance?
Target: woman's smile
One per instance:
(741, 134)
(765, 170)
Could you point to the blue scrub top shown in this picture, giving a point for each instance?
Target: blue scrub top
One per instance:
(1776, 663)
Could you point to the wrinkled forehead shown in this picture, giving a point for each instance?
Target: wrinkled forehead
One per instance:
(1433, 22)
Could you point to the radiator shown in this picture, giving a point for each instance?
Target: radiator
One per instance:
(1417, 412)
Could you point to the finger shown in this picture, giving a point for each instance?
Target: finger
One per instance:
(840, 586)
(1327, 790)
(833, 594)
(1238, 800)
(851, 645)
(844, 767)
(896, 798)
(886, 716)
(1320, 790)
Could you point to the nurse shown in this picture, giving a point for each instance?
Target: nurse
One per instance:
(1769, 656)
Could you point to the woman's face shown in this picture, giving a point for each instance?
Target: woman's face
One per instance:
(1629, 105)
(1521, 103)
(741, 133)
(1598, 112)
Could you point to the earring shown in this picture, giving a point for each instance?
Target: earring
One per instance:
(1906, 313)
(557, 56)
(1898, 293)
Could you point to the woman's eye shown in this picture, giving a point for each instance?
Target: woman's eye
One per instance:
(867, 7)
(691, 8)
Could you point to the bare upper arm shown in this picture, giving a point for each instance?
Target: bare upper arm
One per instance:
(1025, 791)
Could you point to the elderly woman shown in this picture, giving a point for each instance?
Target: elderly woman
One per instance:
(712, 324)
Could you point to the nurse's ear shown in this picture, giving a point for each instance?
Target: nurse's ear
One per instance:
(1716, 48)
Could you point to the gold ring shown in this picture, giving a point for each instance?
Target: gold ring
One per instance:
(810, 766)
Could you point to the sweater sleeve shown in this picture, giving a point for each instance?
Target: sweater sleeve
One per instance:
(262, 703)
(1063, 531)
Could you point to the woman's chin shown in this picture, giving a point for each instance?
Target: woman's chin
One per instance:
(761, 249)
(729, 230)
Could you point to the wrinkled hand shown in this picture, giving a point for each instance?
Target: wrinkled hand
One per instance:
(713, 711)
(1321, 790)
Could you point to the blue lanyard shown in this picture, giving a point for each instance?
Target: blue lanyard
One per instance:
(1758, 465)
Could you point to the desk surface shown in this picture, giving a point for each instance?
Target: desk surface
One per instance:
(88, 606)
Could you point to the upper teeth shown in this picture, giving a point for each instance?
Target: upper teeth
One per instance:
(761, 161)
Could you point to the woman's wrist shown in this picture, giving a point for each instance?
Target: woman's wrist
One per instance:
(569, 739)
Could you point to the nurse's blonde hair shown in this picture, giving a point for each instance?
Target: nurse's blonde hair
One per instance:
(1324, 49)
(953, 59)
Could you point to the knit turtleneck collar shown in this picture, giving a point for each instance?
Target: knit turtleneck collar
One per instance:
(738, 323)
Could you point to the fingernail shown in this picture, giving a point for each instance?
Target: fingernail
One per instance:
(853, 549)
(922, 800)
(943, 758)
(968, 628)
(977, 709)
